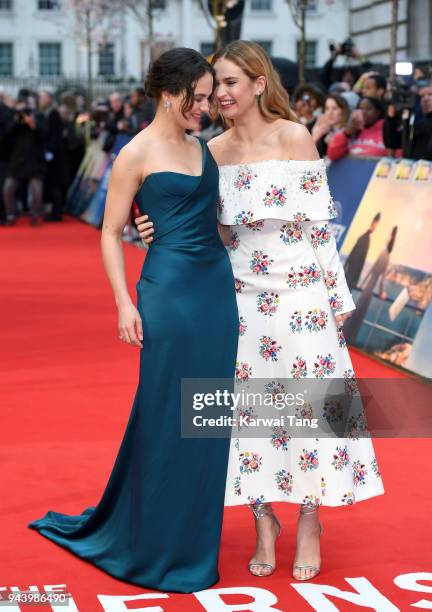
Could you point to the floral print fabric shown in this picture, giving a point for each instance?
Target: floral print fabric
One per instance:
(291, 190)
(290, 283)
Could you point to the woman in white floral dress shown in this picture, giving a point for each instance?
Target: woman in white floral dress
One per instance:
(275, 208)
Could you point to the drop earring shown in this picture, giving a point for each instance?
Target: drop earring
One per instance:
(167, 105)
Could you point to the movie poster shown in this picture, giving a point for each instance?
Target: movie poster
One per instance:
(348, 179)
(386, 255)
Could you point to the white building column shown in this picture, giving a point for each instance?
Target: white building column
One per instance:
(186, 22)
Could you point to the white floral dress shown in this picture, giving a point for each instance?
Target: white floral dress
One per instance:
(290, 283)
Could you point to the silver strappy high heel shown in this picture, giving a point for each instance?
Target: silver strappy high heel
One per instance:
(260, 510)
(314, 570)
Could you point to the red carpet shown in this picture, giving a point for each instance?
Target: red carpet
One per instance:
(67, 388)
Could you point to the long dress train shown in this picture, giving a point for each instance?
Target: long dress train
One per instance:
(158, 523)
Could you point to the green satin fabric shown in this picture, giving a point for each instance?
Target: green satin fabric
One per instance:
(158, 523)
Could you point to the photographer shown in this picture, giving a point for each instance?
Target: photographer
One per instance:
(26, 137)
(404, 129)
(55, 162)
(6, 116)
(117, 121)
(308, 103)
(142, 110)
(347, 74)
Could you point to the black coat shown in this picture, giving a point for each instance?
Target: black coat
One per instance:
(27, 147)
(418, 145)
(355, 261)
(57, 170)
(6, 118)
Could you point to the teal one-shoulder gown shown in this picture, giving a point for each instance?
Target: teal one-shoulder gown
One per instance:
(158, 523)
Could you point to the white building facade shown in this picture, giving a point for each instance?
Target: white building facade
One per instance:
(370, 24)
(38, 37)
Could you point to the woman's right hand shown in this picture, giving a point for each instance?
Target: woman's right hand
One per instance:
(145, 228)
(355, 123)
(130, 325)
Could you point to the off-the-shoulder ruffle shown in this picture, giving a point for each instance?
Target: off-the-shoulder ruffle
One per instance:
(292, 190)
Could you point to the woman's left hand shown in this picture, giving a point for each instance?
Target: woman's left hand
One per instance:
(341, 318)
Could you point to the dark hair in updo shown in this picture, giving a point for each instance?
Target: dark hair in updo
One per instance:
(175, 71)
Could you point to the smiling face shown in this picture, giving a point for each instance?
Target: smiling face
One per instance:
(235, 91)
(190, 119)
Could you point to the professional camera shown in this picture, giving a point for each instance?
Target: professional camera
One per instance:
(345, 48)
(100, 111)
(22, 112)
(403, 95)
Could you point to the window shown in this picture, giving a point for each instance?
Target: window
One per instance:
(261, 5)
(49, 59)
(157, 4)
(48, 5)
(266, 45)
(207, 48)
(310, 53)
(5, 5)
(6, 59)
(311, 5)
(106, 59)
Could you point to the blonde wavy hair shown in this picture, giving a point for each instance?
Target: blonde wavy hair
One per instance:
(273, 103)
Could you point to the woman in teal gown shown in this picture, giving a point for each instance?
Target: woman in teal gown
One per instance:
(158, 523)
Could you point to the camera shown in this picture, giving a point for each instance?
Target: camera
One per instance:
(100, 111)
(345, 48)
(24, 111)
(402, 96)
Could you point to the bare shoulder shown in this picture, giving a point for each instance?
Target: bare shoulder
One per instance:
(296, 139)
(132, 157)
(218, 145)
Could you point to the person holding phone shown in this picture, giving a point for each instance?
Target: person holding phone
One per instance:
(26, 136)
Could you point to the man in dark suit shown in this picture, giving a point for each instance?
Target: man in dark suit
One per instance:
(354, 264)
(6, 118)
(53, 155)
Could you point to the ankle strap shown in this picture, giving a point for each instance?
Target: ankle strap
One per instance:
(263, 509)
(307, 509)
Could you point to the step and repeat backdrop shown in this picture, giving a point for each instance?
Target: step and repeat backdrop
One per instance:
(383, 231)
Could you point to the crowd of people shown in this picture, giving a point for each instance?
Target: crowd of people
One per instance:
(43, 137)
(369, 116)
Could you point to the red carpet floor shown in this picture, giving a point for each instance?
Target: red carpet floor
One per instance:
(66, 392)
